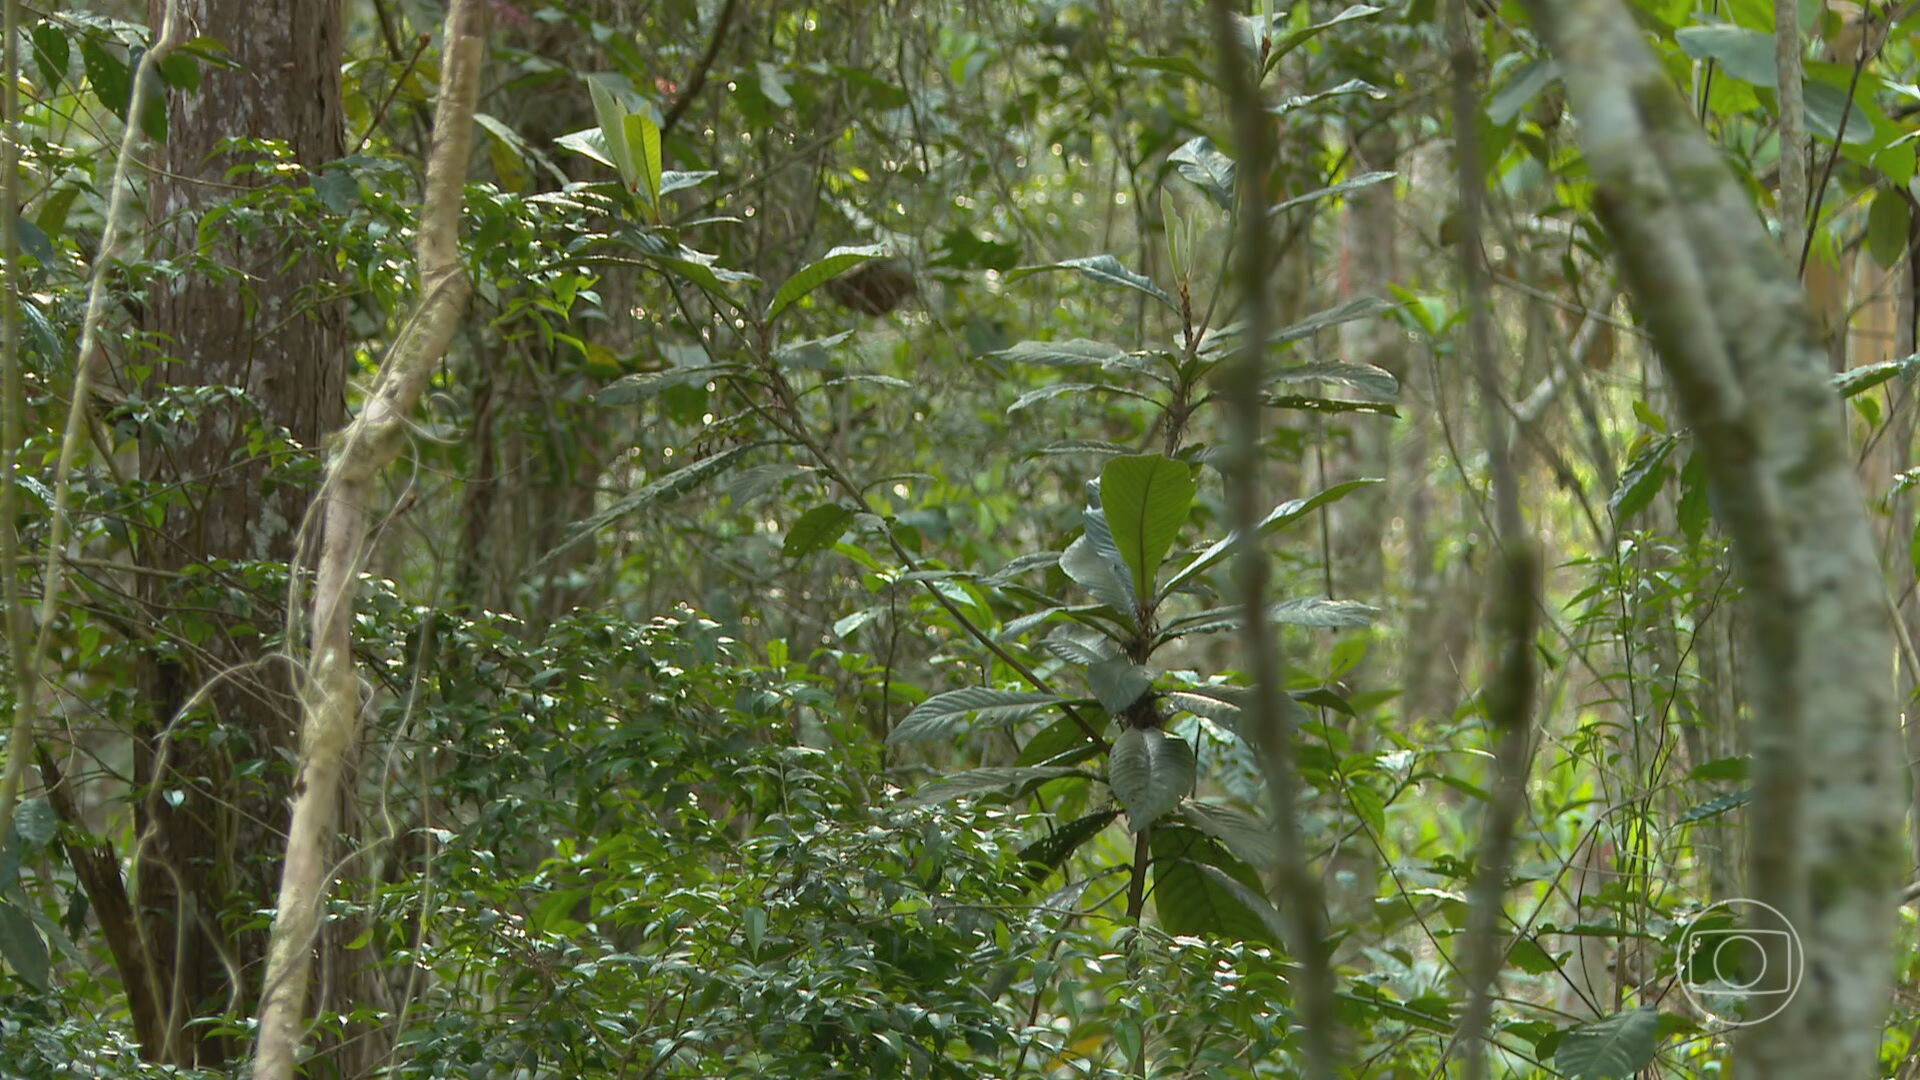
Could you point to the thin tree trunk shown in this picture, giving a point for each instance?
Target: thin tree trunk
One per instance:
(1735, 334)
(330, 714)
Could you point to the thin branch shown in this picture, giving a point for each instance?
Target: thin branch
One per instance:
(698, 78)
(1267, 716)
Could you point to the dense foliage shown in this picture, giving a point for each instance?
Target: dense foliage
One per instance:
(804, 637)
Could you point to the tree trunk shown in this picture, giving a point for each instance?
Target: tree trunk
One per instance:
(1735, 333)
(211, 774)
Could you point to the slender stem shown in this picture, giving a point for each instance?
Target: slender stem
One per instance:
(1241, 379)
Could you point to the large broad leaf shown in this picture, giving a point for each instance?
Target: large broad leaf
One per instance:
(1212, 171)
(939, 716)
(1118, 683)
(1146, 500)
(1150, 771)
(1077, 352)
(1611, 1048)
(1063, 742)
(1377, 383)
(1307, 611)
(1100, 576)
(816, 529)
(1281, 516)
(1105, 269)
(982, 782)
(21, 946)
(1189, 900)
(612, 118)
(837, 262)
(1251, 840)
(665, 489)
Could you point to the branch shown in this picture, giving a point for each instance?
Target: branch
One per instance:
(330, 711)
(698, 79)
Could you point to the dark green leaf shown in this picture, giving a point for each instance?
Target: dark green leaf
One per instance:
(817, 529)
(1714, 807)
(1051, 851)
(1611, 1048)
(666, 488)
(1105, 269)
(1372, 381)
(1281, 516)
(1149, 771)
(984, 781)
(940, 716)
(1645, 475)
(21, 946)
(1887, 225)
(1187, 900)
(109, 76)
(50, 54)
(1118, 683)
(1251, 840)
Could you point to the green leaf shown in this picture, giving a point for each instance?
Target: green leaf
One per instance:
(836, 262)
(1887, 224)
(1312, 611)
(1308, 33)
(1745, 54)
(665, 489)
(1296, 102)
(1062, 742)
(1374, 382)
(1149, 771)
(1611, 1048)
(1858, 380)
(633, 388)
(1146, 499)
(1051, 851)
(21, 946)
(1279, 517)
(1521, 89)
(984, 781)
(1209, 169)
(1645, 475)
(643, 141)
(109, 76)
(1118, 683)
(611, 115)
(1188, 900)
(816, 529)
(1046, 393)
(1077, 352)
(36, 822)
(939, 716)
(1694, 509)
(590, 143)
(1251, 840)
(1103, 576)
(1364, 180)
(1714, 807)
(50, 54)
(1174, 65)
(1105, 269)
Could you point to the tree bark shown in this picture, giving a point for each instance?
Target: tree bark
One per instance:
(1735, 334)
(206, 812)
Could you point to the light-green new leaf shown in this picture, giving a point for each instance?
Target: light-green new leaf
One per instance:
(1146, 499)
(836, 262)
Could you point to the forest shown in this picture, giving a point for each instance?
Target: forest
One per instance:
(1019, 540)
